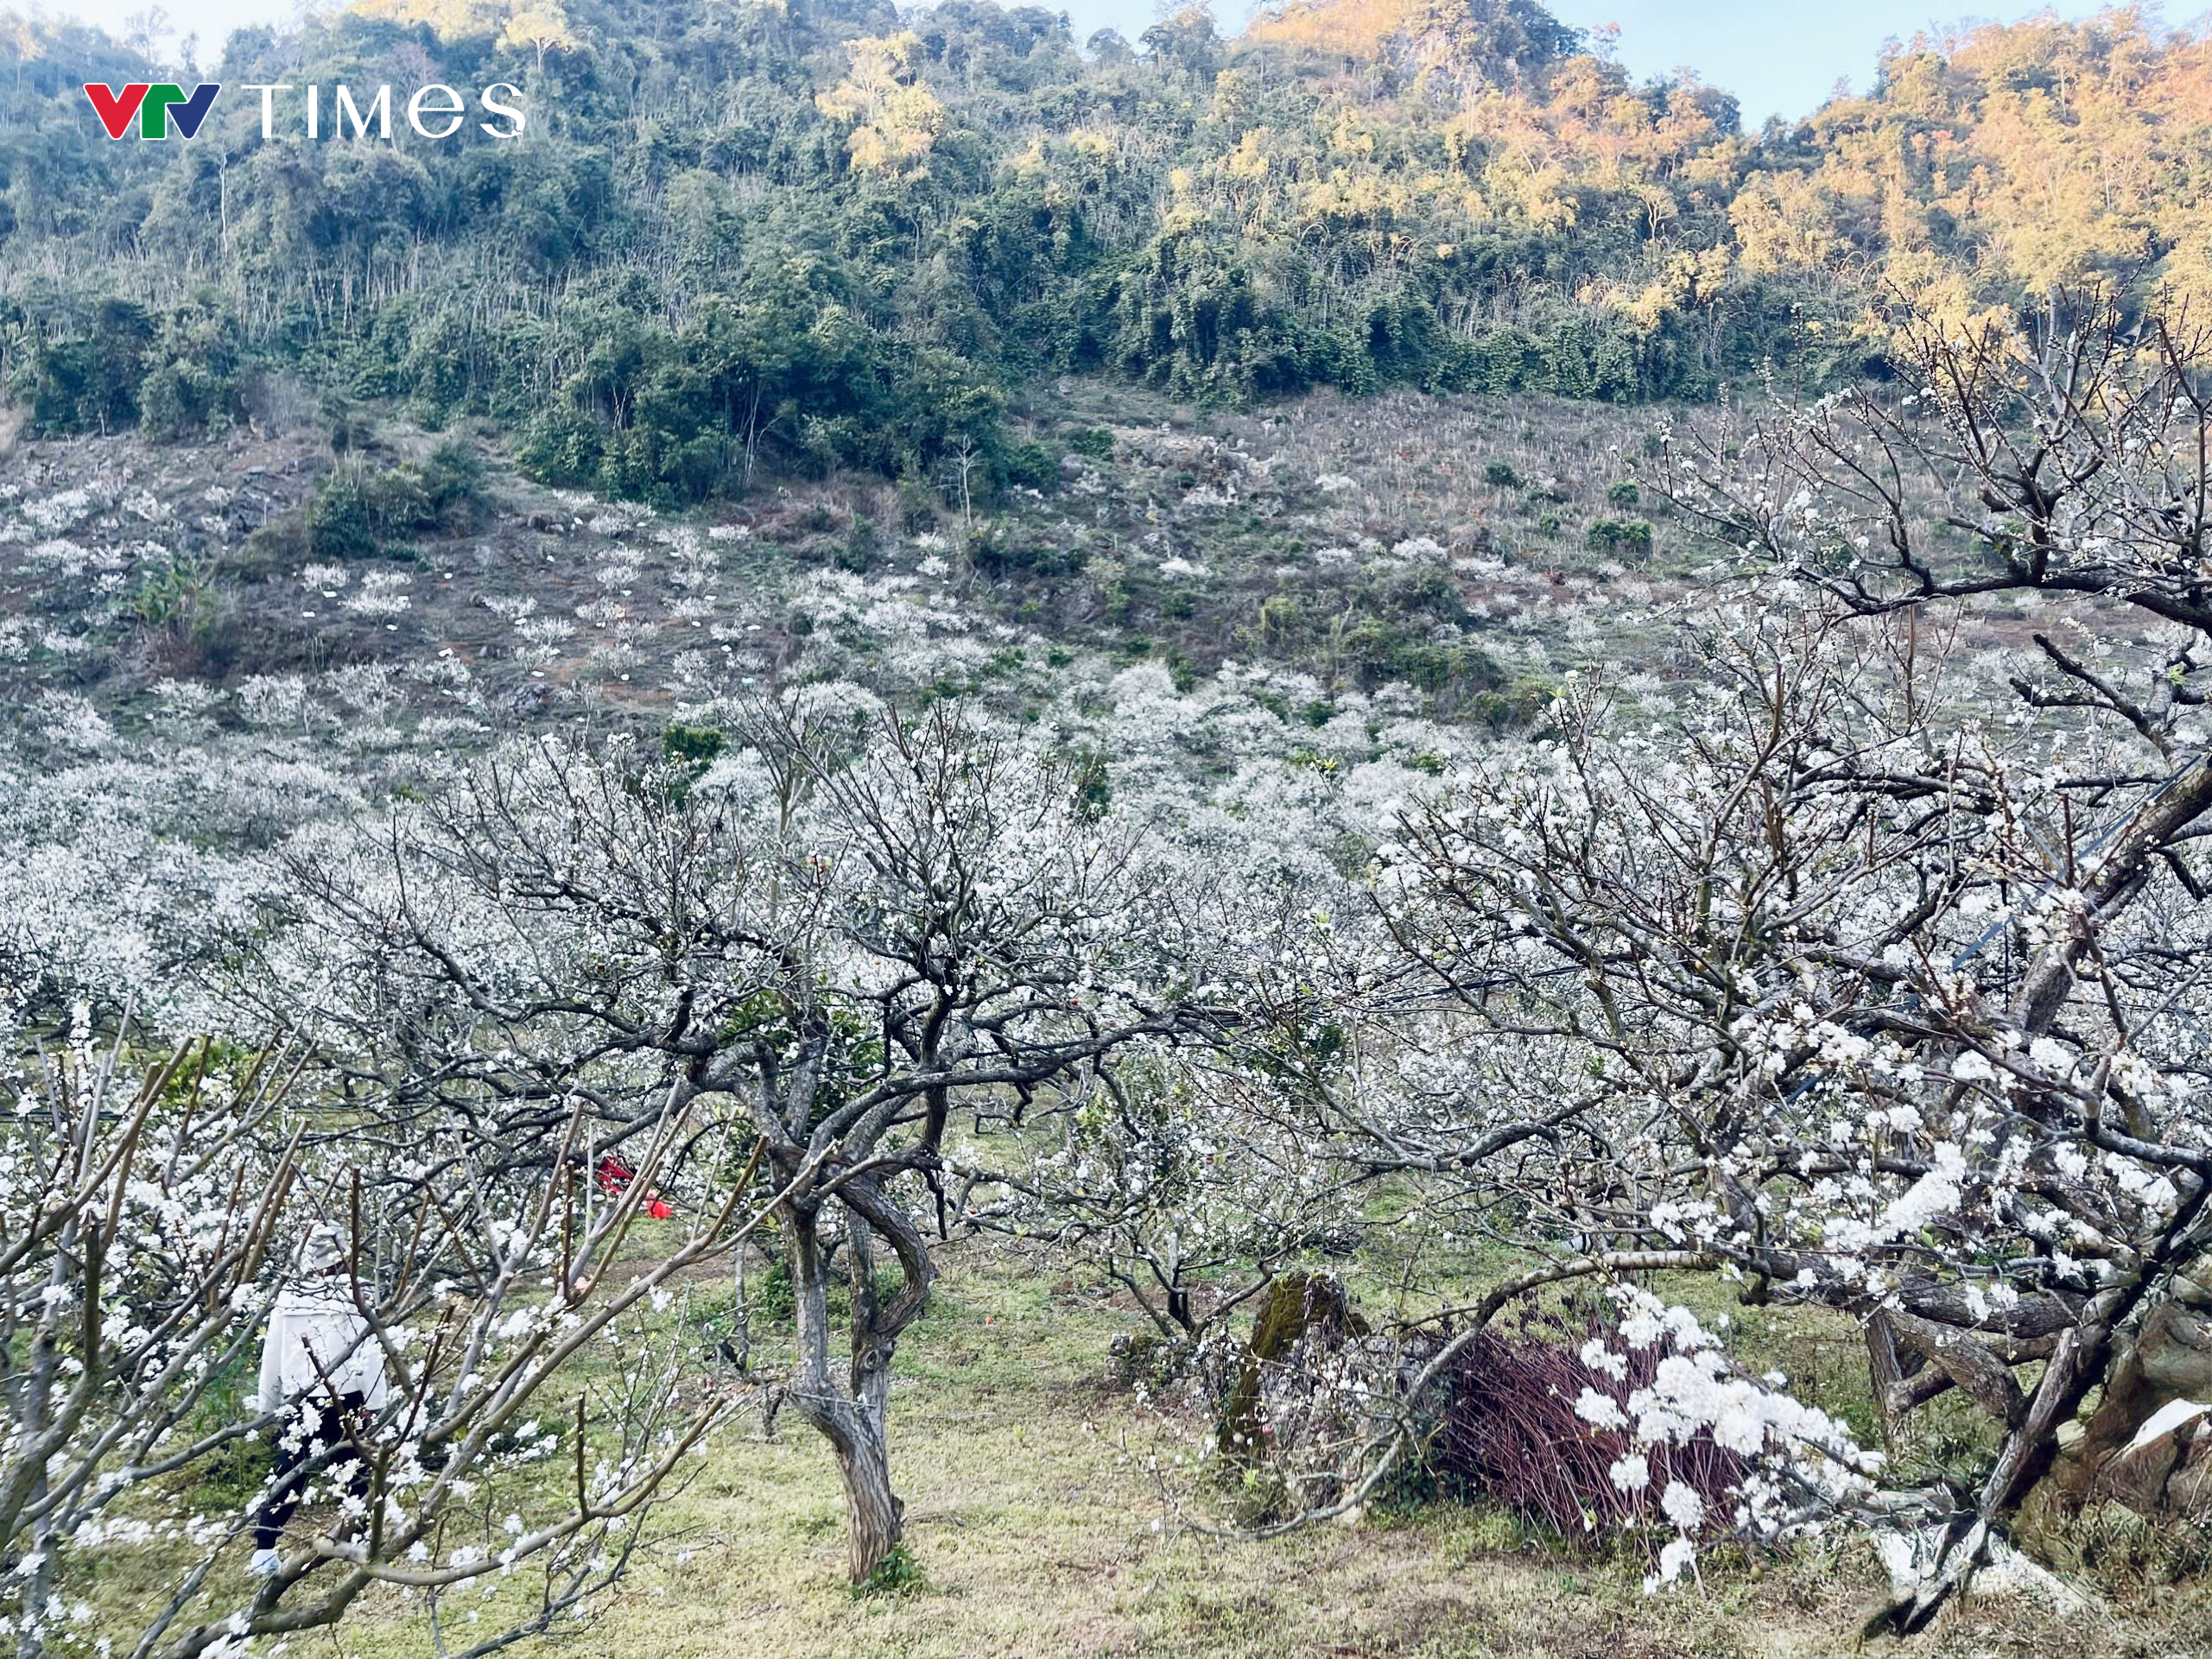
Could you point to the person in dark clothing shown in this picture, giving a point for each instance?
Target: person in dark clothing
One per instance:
(319, 1355)
(292, 1470)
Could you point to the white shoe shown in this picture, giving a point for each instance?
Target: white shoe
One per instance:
(264, 1564)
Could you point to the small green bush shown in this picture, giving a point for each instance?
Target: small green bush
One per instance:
(358, 512)
(337, 518)
(1621, 535)
(692, 745)
(897, 1574)
(1029, 465)
(1515, 709)
(917, 508)
(178, 597)
(997, 554)
(858, 550)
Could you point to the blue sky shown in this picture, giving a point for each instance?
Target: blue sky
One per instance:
(1777, 57)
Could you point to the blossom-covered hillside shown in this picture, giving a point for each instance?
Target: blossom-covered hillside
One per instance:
(607, 862)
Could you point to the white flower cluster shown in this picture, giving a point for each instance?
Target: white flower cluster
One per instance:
(1695, 1392)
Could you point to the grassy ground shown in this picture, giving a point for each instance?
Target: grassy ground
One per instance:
(1031, 1520)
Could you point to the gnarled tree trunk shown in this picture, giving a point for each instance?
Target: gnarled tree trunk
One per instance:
(2083, 1359)
(875, 1518)
(2168, 1365)
(854, 1418)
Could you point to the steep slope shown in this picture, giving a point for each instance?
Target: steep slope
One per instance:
(782, 241)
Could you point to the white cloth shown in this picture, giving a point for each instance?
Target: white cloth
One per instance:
(328, 1327)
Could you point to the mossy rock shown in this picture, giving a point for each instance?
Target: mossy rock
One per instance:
(1296, 1306)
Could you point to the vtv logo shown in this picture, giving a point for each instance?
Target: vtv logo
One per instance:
(157, 107)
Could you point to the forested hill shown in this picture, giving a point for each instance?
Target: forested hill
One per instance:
(746, 234)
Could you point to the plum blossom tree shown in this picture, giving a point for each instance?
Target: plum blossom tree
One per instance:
(1186, 1184)
(2068, 465)
(1872, 989)
(153, 1198)
(844, 930)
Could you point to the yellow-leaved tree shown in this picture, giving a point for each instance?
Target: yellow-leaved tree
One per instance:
(543, 28)
(895, 119)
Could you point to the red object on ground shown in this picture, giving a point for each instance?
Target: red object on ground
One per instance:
(614, 1177)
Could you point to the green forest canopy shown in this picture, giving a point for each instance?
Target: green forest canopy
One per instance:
(825, 234)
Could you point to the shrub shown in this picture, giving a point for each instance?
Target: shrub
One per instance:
(1622, 495)
(917, 507)
(898, 1573)
(1280, 618)
(692, 745)
(858, 551)
(1381, 650)
(1031, 466)
(1515, 709)
(998, 555)
(90, 383)
(358, 512)
(562, 446)
(452, 482)
(337, 518)
(768, 1293)
(177, 597)
(1621, 535)
(180, 397)
(1501, 475)
(344, 424)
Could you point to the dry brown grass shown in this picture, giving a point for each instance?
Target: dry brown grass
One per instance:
(1032, 1516)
